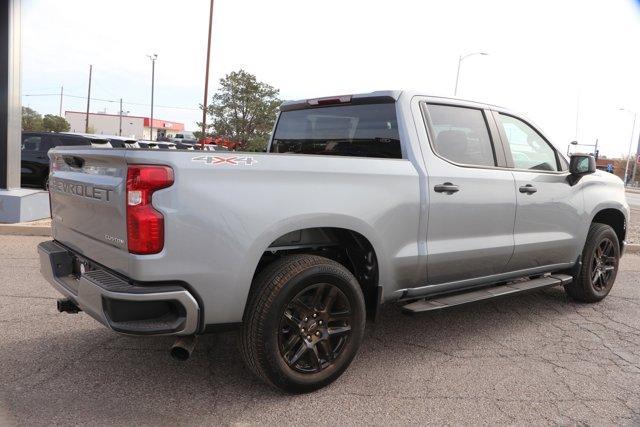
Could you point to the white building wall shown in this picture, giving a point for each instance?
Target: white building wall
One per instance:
(106, 124)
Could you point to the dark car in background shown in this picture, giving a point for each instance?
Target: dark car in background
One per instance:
(35, 145)
(34, 162)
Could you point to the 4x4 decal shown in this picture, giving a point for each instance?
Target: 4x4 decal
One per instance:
(226, 160)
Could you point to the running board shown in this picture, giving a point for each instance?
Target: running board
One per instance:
(446, 301)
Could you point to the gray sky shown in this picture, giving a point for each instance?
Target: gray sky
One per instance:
(546, 57)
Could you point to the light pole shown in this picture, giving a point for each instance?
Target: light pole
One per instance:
(633, 127)
(460, 59)
(153, 71)
(206, 79)
(635, 162)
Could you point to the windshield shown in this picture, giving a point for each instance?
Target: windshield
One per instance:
(369, 130)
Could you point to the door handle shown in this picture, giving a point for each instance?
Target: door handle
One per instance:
(447, 187)
(528, 189)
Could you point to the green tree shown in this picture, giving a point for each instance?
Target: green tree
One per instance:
(51, 123)
(31, 120)
(244, 109)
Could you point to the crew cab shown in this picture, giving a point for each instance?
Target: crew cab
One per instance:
(389, 197)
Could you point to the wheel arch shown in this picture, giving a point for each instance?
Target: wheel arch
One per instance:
(347, 240)
(615, 218)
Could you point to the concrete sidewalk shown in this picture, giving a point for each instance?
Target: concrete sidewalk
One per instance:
(34, 228)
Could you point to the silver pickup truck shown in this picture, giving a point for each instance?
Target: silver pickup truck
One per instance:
(361, 200)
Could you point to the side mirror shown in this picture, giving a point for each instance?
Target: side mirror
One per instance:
(582, 164)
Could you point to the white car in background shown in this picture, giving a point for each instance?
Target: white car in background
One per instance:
(185, 138)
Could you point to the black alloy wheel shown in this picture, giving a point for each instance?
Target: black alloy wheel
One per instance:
(603, 265)
(303, 323)
(600, 260)
(315, 328)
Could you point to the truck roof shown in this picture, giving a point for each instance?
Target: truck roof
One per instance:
(381, 94)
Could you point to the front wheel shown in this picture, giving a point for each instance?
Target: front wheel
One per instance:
(600, 259)
(304, 323)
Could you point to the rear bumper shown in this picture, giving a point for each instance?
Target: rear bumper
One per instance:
(115, 302)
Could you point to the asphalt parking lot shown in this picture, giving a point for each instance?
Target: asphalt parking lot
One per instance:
(533, 359)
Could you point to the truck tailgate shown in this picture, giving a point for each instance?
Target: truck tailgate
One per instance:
(88, 210)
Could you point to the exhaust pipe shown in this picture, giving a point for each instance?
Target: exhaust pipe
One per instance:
(183, 347)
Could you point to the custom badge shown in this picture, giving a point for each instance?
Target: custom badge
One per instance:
(226, 160)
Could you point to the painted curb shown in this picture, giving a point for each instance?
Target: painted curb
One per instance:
(24, 230)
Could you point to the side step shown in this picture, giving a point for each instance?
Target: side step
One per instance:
(446, 301)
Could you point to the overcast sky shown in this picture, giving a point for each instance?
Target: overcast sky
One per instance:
(546, 58)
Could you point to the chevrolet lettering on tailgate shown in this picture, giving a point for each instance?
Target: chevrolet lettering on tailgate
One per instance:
(81, 190)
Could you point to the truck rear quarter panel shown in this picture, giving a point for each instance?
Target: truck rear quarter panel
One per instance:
(220, 217)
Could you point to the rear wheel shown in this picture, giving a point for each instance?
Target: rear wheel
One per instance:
(304, 323)
(600, 259)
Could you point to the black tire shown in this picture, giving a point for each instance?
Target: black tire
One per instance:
(271, 319)
(600, 260)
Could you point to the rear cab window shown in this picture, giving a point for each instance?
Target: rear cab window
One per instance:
(362, 130)
(461, 135)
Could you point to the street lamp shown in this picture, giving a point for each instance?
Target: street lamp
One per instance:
(460, 59)
(633, 127)
(153, 71)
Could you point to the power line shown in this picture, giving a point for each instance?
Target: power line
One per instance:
(113, 101)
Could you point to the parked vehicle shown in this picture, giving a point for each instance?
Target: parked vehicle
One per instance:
(159, 145)
(181, 146)
(362, 200)
(34, 160)
(97, 140)
(184, 138)
(122, 142)
(212, 147)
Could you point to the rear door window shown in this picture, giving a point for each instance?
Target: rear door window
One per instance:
(461, 135)
(367, 130)
(31, 143)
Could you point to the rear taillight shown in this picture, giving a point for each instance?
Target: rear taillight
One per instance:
(145, 225)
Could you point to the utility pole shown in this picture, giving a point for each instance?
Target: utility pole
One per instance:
(86, 123)
(153, 71)
(206, 78)
(120, 128)
(61, 93)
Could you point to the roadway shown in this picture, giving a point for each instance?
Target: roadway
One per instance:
(534, 359)
(633, 198)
